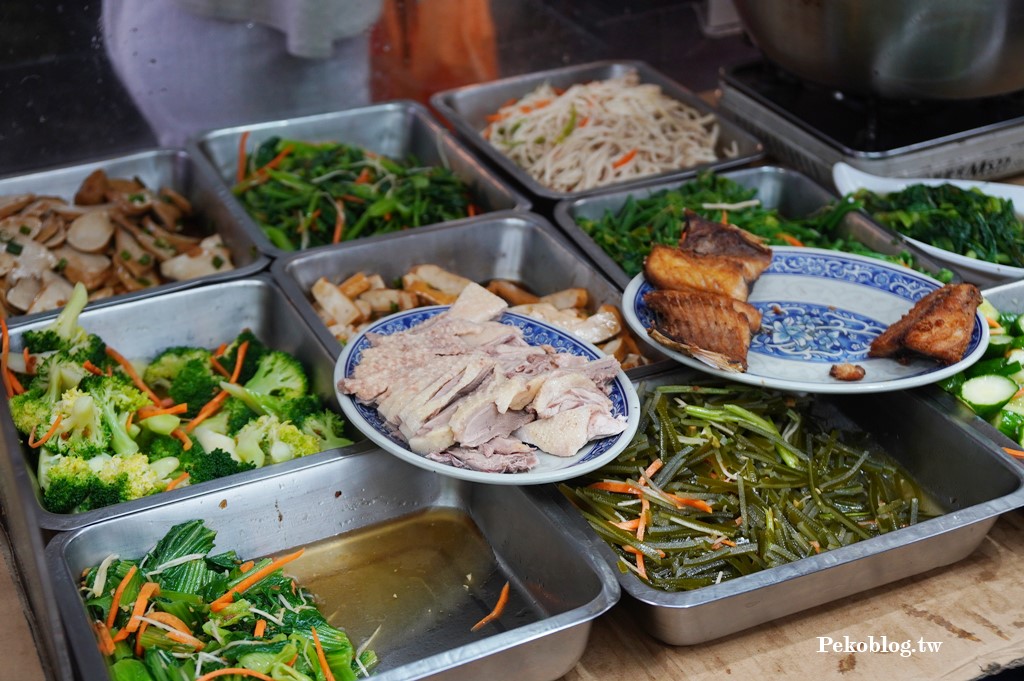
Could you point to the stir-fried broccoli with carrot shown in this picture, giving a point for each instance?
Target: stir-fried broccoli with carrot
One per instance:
(106, 430)
(182, 614)
(305, 194)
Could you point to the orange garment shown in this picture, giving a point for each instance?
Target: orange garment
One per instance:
(419, 47)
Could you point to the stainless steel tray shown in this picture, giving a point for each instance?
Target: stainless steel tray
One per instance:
(947, 454)
(792, 193)
(204, 316)
(395, 129)
(159, 167)
(466, 108)
(556, 593)
(522, 247)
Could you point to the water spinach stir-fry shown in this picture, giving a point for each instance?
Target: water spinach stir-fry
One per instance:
(722, 482)
(107, 430)
(305, 194)
(182, 614)
(627, 234)
(964, 221)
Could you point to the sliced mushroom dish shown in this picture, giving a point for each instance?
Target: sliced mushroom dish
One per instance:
(348, 307)
(117, 236)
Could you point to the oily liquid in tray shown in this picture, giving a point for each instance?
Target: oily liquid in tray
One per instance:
(424, 579)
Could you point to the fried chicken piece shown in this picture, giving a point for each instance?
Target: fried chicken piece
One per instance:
(939, 326)
(846, 372)
(707, 237)
(667, 267)
(708, 326)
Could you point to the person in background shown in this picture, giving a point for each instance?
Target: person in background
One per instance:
(195, 65)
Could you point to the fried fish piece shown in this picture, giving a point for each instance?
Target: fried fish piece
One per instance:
(667, 267)
(707, 237)
(847, 372)
(939, 326)
(708, 326)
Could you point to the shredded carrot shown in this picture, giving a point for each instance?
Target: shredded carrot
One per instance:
(134, 375)
(291, 662)
(584, 121)
(106, 643)
(471, 210)
(219, 368)
(168, 619)
(128, 421)
(640, 566)
(645, 512)
(211, 407)
(29, 361)
(221, 349)
(624, 159)
(177, 481)
(1015, 453)
(240, 671)
(498, 609)
(699, 504)
(226, 600)
(992, 324)
(139, 652)
(655, 466)
(92, 368)
(620, 487)
(339, 221)
(116, 603)
(5, 349)
(146, 411)
(628, 524)
(352, 198)
(242, 156)
(187, 639)
(148, 590)
(790, 239)
(324, 667)
(276, 161)
(186, 441)
(364, 176)
(246, 566)
(495, 117)
(261, 626)
(16, 386)
(42, 441)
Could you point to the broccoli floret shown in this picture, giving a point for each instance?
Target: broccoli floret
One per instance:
(163, 446)
(164, 368)
(270, 437)
(195, 385)
(253, 354)
(236, 413)
(109, 492)
(299, 409)
(279, 377)
(116, 397)
(327, 427)
(56, 373)
(64, 335)
(70, 482)
(131, 474)
(81, 431)
(30, 409)
(215, 464)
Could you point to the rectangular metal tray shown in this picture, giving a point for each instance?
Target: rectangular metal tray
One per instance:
(948, 455)
(204, 316)
(522, 247)
(395, 129)
(159, 167)
(466, 108)
(790, 192)
(556, 593)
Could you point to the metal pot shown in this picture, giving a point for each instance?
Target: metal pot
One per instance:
(901, 49)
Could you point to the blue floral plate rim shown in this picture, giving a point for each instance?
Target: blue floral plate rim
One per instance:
(551, 468)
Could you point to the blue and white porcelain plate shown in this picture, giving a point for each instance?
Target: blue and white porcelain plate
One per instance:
(549, 468)
(821, 308)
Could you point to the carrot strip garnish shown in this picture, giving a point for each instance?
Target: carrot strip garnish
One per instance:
(620, 487)
(628, 524)
(219, 368)
(624, 159)
(699, 504)
(339, 221)
(790, 239)
(261, 626)
(226, 600)
(498, 609)
(640, 567)
(139, 652)
(242, 156)
(364, 176)
(992, 324)
(5, 349)
(92, 368)
(132, 374)
(240, 671)
(187, 639)
(221, 349)
(116, 602)
(179, 434)
(1016, 453)
(177, 481)
(141, 603)
(645, 512)
(168, 619)
(291, 662)
(146, 411)
(30, 364)
(584, 121)
(106, 643)
(16, 386)
(324, 667)
(42, 441)
(276, 161)
(471, 210)
(655, 466)
(246, 566)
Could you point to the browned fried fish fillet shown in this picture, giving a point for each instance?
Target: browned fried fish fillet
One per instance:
(667, 267)
(938, 326)
(707, 237)
(711, 327)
